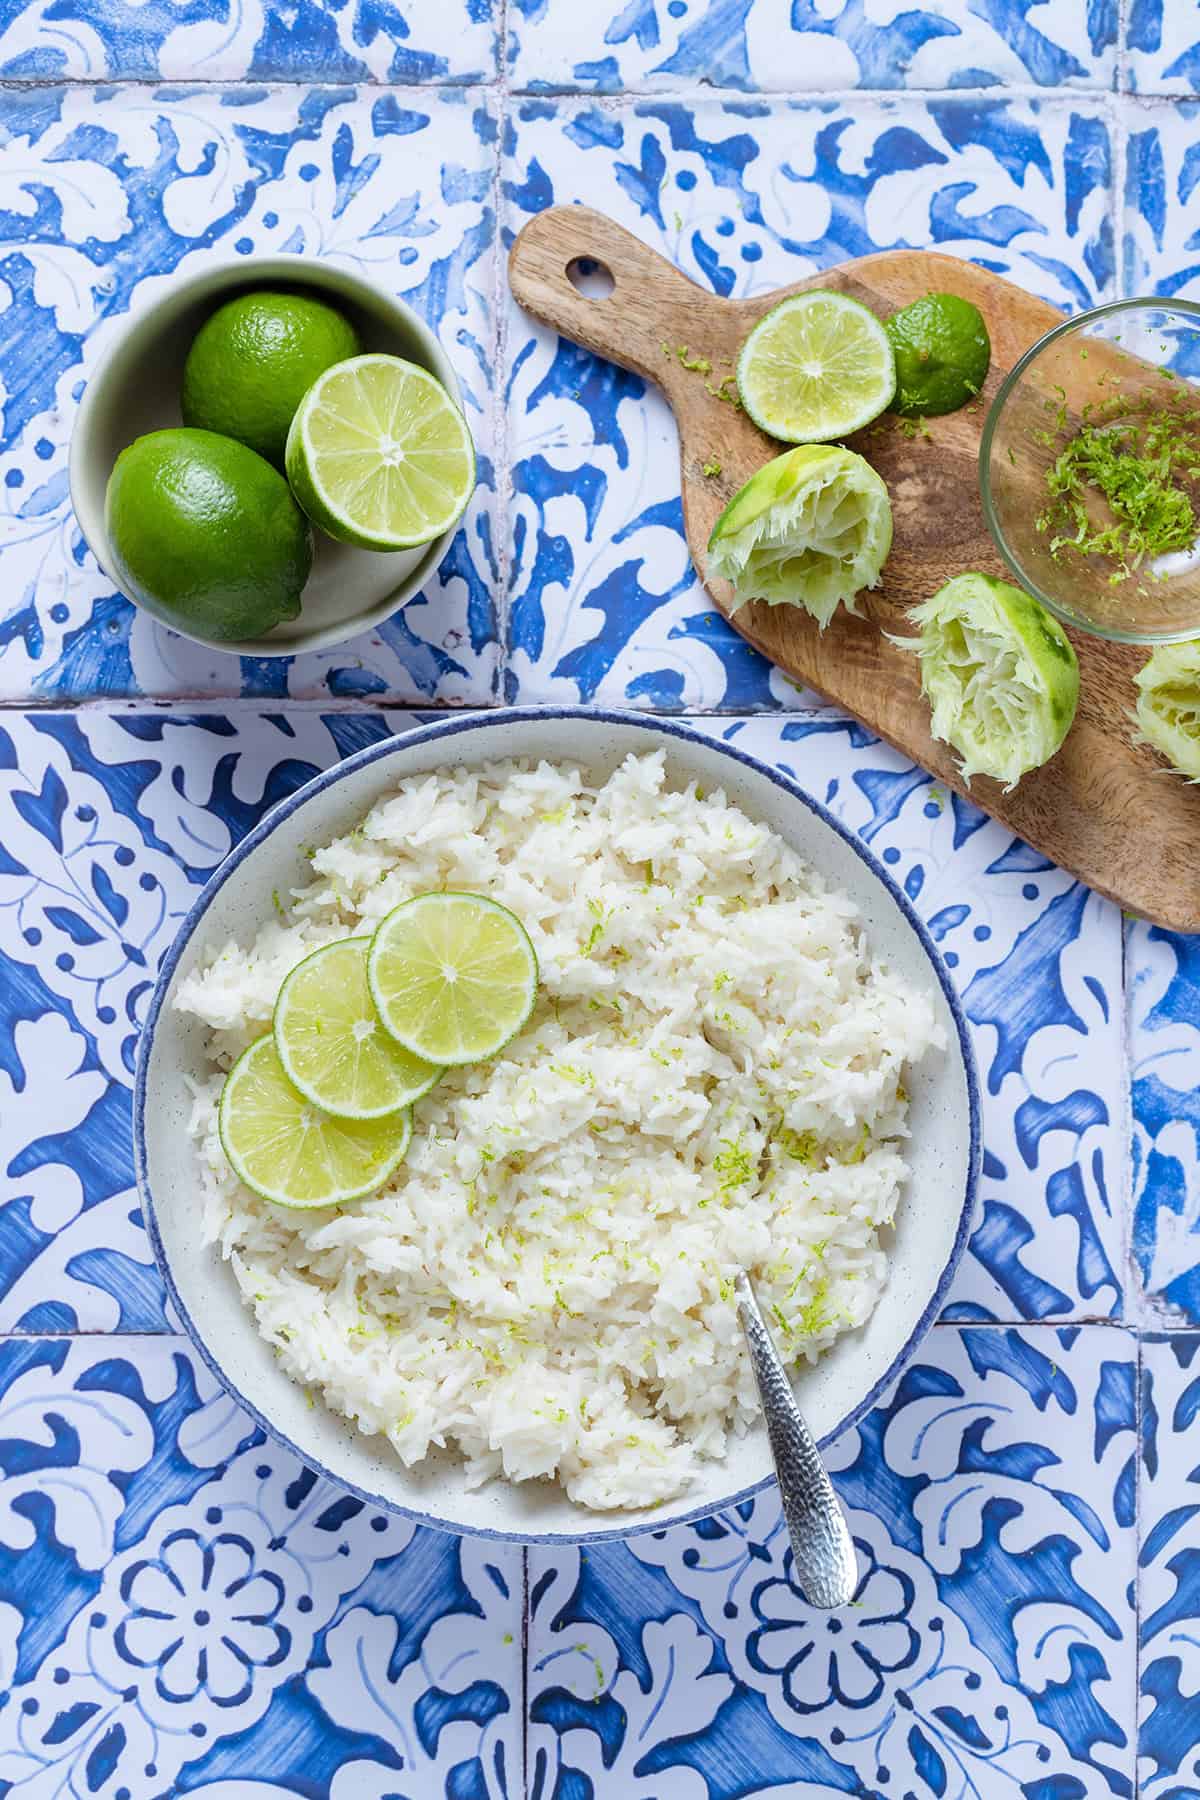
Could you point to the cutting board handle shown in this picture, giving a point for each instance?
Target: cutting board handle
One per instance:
(650, 303)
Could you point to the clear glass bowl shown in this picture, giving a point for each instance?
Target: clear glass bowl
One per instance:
(1133, 360)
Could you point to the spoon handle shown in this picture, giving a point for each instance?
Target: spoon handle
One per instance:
(826, 1567)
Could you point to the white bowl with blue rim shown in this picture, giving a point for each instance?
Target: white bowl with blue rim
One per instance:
(932, 1221)
(135, 388)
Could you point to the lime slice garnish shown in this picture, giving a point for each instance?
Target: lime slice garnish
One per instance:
(453, 976)
(378, 454)
(999, 673)
(810, 529)
(942, 354)
(1168, 706)
(331, 1043)
(817, 366)
(290, 1152)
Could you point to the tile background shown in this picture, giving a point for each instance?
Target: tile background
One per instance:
(183, 1609)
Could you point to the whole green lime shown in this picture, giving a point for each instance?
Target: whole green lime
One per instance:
(253, 361)
(942, 354)
(206, 534)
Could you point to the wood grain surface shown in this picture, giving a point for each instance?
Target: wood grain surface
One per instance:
(1104, 808)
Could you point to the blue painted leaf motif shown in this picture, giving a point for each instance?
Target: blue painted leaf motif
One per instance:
(927, 1761)
(68, 921)
(114, 903)
(44, 810)
(963, 1725)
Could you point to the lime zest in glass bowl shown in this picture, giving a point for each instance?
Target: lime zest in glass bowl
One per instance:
(1000, 675)
(1119, 487)
(1168, 705)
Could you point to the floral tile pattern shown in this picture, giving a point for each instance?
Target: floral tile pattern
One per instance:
(1164, 987)
(249, 40)
(1161, 250)
(104, 195)
(184, 1609)
(767, 45)
(1169, 1611)
(111, 821)
(603, 602)
(1162, 40)
(169, 1582)
(990, 1649)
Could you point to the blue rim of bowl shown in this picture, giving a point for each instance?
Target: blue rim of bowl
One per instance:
(1075, 322)
(447, 730)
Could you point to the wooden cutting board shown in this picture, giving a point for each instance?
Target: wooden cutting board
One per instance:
(1103, 808)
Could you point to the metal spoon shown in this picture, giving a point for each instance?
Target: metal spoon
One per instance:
(825, 1563)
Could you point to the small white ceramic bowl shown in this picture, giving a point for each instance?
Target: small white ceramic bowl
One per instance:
(933, 1218)
(136, 389)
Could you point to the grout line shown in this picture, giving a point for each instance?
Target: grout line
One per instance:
(503, 439)
(1139, 1373)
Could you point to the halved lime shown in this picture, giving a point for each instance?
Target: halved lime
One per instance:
(817, 366)
(378, 454)
(331, 1043)
(1000, 675)
(1168, 706)
(810, 529)
(289, 1151)
(453, 976)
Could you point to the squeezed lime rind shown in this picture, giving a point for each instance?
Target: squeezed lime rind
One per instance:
(1168, 706)
(1000, 675)
(812, 528)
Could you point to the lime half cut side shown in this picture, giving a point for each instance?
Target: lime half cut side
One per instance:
(1168, 705)
(811, 529)
(290, 1152)
(379, 455)
(817, 366)
(453, 976)
(332, 1045)
(1000, 675)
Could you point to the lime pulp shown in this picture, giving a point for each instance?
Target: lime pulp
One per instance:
(379, 455)
(817, 366)
(290, 1152)
(331, 1044)
(453, 976)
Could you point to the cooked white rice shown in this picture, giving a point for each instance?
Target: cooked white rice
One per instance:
(712, 1078)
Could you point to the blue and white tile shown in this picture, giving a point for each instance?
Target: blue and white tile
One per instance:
(105, 194)
(111, 821)
(184, 1607)
(1162, 46)
(251, 40)
(1169, 1556)
(1163, 976)
(1161, 243)
(743, 196)
(991, 1649)
(801, 45)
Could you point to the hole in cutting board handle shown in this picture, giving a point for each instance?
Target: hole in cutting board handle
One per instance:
(590, 277)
